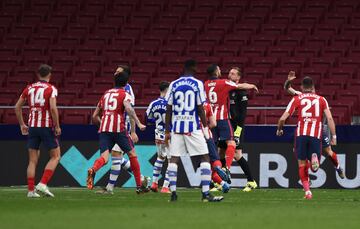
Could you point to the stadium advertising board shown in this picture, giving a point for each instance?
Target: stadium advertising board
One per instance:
(273, 165)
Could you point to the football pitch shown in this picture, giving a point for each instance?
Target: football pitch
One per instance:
(262, 208)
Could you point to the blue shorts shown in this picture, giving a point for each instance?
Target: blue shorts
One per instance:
(44, 135)
(213, 153)
(223, 131)
(107, 141)
(305, 146)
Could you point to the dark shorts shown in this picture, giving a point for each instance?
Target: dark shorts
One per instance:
(223, 131)
(240, 140)
(213, 153)
(107, 141)
(305, 146)
(325, 137)
(44, 135)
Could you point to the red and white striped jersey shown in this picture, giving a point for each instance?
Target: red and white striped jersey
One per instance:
(208, 113)
(38, 97)
(217, 92)
(310, 108)
(113, 109)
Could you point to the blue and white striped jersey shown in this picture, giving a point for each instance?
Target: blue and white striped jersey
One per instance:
(156, 113)
(184, 95)
(129, 90)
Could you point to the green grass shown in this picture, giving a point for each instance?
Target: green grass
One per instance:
(263, 208)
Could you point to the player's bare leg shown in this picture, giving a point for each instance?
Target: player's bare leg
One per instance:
(100, 162)
(304, 177)
(49, 171)
(251, 183)
(33, 160)
(333, 158)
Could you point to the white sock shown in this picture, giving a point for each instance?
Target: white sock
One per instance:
(114, 172)
(205, 169)
(157, 169)
(166, 180)
(172, 168)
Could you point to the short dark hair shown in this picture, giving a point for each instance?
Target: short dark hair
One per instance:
(307, 82)
(163, 85)
(126, 68)
(237, 69)
(190, 65)
(44, 70)
(212, 69)
(121, 79)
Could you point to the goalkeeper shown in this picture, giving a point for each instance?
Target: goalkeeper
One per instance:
(238, 107)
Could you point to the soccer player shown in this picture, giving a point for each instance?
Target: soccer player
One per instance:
(217, 91)
(117, 155)
(326, 146)
(156, 113)
(311, 108)
(43, 127)
(218, 175)
(238, 109)
(112, 129)
(185, 99)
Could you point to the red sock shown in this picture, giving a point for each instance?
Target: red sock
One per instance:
(46, 176)
(216, 163)
(31, 183)
(135, 167)
(100, 162)
(304, 177)
(230, 153)
(334, 159)
(215, 177)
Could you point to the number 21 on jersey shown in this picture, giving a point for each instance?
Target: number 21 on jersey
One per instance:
(308, 105)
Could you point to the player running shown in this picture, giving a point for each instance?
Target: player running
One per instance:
(311, 108)
(43, 127)
(155, 113)
(326, 146)
(185, 99)
(217, 91)
(112, 129)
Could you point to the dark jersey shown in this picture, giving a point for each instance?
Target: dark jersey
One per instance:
(238, 107)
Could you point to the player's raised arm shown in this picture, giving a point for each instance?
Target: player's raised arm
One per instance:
(287, 84)
(247, 86)
(18, 111)
(131, 112)
(54, 112)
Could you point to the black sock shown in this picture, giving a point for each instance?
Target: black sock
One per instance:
(223, 162)
(245, 167)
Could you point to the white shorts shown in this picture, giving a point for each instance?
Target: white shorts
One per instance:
(163, 151)
(116, 148)
(193, 145)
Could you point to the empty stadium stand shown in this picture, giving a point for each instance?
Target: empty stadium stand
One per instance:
(84, 41)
